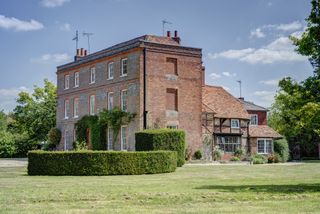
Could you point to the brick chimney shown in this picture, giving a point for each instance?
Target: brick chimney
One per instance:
(80, 54)
(176, 37)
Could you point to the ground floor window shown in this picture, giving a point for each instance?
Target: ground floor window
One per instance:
(110, 138)
(172, 127)
(228, 143)
(265, 146)
(124, 141)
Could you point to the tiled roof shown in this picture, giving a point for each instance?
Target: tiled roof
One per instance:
(222, 103)
(250, 106)
(263, 131)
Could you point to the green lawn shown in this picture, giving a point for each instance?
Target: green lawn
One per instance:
(191, 189)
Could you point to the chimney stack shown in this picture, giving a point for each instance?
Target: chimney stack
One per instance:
(80, 53)
(168, 33)
(176, 37)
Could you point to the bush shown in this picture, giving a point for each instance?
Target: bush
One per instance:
(80, 145)
(281, 147)
(234, 158)
(162, 139)
(23, 144)
(274, 158)
(7, 147)
(259, 159)
(239, 153)
(217, 153)
(54, 137)
(100, 162)
(198, 155)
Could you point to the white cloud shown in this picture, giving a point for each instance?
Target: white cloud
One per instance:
(49, 58)
(8, 97)
(273, 82)
(19, 25)
(53, 3)
(296, 25)
(257, 33)
(280, 50)
(215, 76)
(65, 27)
(265, 95)
(228, 74)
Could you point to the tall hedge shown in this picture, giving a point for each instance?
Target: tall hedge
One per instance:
(162, 139)
(100, 162)
(281, 147)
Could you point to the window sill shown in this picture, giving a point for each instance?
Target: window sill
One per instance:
(76, 86)
(110, 78)
(123, 75)
(75, 117)
(66, 118)
(90, 83)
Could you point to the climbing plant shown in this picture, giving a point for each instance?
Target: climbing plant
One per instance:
(114, 119)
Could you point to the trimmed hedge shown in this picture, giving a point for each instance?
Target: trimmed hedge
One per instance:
(100, 162)
(162, 139)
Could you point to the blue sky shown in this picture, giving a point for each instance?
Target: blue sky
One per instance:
(243, 40)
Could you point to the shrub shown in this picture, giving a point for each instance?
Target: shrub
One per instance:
(274, 158)
(259, 159)
(281, 147)
(162, 139)
(198, 155)
(54, 137)
(80, 145)
(234, 158)
(217, 153)
(23, 144)
(7, 147)
(239, 152)
(100, 162)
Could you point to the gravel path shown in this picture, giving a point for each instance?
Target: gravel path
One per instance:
(13, 162)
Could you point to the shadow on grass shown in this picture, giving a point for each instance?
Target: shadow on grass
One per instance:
(292, 188)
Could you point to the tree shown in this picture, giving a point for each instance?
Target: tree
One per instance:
(35, 113)
(296, 110)
(3, 121)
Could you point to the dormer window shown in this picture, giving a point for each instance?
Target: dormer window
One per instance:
(235, 123)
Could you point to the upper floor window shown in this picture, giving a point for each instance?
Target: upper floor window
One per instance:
(124, 100)
(172, 99)
(66, 81)
(76, 107)
(76, 79)
(124, 67)
(66, 109)
(92, 75)
(110, 70)
(254, 119)
(110, 100)
(92, 104)
(235, 123)
(172, 66)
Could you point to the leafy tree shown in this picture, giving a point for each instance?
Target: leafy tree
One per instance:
(3, 121)
(296, 110)
(7, 147)
(35, 113)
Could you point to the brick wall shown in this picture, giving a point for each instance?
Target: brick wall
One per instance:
(262, 116)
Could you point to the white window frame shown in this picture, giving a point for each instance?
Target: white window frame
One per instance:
(172, 126)
(92, 103)
(66, 81)
(66, 108)
(92, 75)
(110, 68)
(265, 151)
(76, 79)
(121, 138)
(254, 115)
(66, 133)
(110, 104)
(122, 63)
(122, 100)
(109, 141)
(231, 123)
(76, 107)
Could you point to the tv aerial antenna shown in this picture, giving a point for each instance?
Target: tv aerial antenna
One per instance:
(164, 22)
(239, 81)
(87, 34)
(76, 38)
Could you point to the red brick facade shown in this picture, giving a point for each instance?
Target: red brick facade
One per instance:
(262, 116)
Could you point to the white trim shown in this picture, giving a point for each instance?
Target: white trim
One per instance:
(92, 104)
(264, 145)
(122, 74)
(108, 140)
(74, 109)
(108, 100)
(66, 81)
(92, 74)
(66, 108)
(121, 139)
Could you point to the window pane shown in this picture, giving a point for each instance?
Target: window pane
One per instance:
(124, 69)
(66, 108)
(76, 107)
(110, 70)
(269, 146)
(234, 123)
(124, 145)
(110, 101)
(261, 146)
(124, 100)
(92, 103)
(229, 143)
(110, 139)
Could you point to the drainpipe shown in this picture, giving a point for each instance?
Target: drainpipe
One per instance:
(248, 138)
(145, 112)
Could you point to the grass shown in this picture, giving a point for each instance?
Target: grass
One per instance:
(191, 189)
